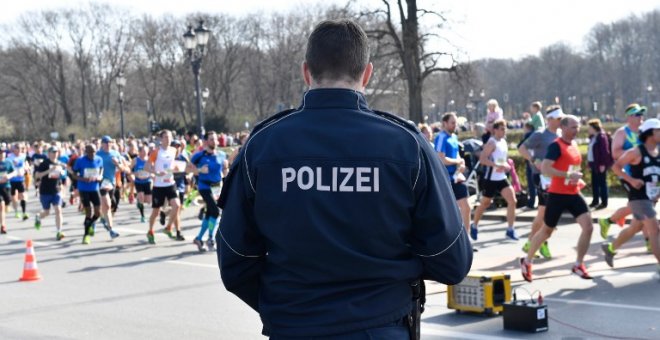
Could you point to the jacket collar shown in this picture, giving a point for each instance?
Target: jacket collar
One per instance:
(334, 98)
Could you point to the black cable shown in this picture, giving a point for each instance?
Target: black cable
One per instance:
(593, 333)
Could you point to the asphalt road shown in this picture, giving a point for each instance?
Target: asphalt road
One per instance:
(127, 289)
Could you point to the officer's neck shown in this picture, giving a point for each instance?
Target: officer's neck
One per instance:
(336, 84)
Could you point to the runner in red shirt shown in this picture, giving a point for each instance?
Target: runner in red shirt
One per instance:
(562, 164)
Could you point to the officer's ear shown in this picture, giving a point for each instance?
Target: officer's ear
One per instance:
(307, 76)
(366, 75)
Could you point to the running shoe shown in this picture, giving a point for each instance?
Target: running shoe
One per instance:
(37, 222)
(210, 245)
(168, 232)
(648, 247)
(526, 269)
(91, 230)
(199, 244)
(473, 232)
(151, 238)
(25, 217)
(581, 271)
(604, 224)
(525, 247)
(3, 230)
(162, 218)
(511, 234)
(142, 219)
(180, 237)
(17, 215)
(545, 250)
(59, 236)
(114, 234)
(609, 253)
(87, 239)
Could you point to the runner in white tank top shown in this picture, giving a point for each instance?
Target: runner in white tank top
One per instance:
(495, 158)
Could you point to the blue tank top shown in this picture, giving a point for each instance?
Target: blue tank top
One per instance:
(631, 141)
(139, 166)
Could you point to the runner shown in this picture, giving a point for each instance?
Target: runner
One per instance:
(180, 182)
(17, 182)
(142, 180)
(625, 138)
(562, 165)
(112, 162)
(88, 171)
(494, 156)
(6, 172)
(161, 163)
(534, 150)
(209, 165)
(446, 145)
(643, 174)
(49, 173)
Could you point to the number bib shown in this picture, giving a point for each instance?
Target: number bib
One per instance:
(91, 173)
(652, 190)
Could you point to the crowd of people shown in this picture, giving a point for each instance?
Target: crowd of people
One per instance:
(96, 175)
(555, 177)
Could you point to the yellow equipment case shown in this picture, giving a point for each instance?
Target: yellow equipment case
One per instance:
(480, 292)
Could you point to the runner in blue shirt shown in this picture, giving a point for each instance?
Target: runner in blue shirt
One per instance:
(142, 180)
(87, 171)
(112, 162)
(18, 159)
(209, 164)
(6, 172)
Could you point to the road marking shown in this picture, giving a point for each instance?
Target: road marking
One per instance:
(37, 243)
(185, 263)
(604, 304)
(430, 329)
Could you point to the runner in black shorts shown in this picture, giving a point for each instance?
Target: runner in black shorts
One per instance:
(6, 171)
(447, 146)
(562, 164)
(88, 170)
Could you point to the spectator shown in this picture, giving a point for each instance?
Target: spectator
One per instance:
(599, 159)
(531, 188)
(494, 113)
(537, 116)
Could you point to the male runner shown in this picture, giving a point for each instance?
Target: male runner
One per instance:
(49, 173)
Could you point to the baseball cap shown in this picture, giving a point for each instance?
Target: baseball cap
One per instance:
(106, 139)
(555, 114)
(175, 143)
(53, 149)
(650, 124)
(635, 109)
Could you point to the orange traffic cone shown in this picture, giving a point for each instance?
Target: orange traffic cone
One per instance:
(30, 270)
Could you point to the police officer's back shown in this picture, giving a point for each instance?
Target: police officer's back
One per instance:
(332, 210)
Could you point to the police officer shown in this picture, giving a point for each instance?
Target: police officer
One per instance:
(332, 210)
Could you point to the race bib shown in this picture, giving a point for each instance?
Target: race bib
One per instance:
(142, 174)
(215, 190)
(106, 184)
(545, 182)
(652, 190)
(91, 173)
(55, 171)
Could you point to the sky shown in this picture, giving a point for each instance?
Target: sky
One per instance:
(479, 28)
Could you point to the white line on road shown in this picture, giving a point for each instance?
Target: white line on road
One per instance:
(604, 304)
(34, 242)
(185, 263)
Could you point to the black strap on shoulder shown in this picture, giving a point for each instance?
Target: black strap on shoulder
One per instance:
(397, 120)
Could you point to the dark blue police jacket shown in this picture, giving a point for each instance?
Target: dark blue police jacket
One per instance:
(330, 212)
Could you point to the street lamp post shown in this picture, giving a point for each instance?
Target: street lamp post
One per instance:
(121, 82)
(195, 43)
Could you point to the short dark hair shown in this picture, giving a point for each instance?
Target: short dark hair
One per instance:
(446, 116)
(499, 123)
(337, 49)
(209, 133)
(162, 132)
(645, 135)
